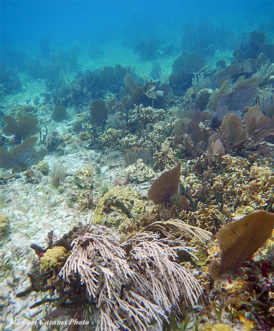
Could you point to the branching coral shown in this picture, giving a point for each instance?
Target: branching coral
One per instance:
(131, 285)
(173, 228)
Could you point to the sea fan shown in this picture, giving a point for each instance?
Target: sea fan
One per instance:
(133, 285)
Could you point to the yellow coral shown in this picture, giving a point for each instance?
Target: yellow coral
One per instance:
(53, 259)
(43, 167)
(84, 178)
(118, 205)
(216, 327)
(111, 137)
(242, 211)
(248, 325)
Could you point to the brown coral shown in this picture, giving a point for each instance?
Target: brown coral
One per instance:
(24, 127)
(17, 154)
(98, 112)
(165, 186)
(232, 130)
(240, 239)
(256, 123)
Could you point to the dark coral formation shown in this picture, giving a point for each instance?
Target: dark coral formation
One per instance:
(59, 113)
(90, 85)
(22, 128)
(20, 153)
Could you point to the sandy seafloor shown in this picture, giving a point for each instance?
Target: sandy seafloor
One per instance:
(34, 209)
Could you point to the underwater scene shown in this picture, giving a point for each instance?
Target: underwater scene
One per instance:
(136, 165)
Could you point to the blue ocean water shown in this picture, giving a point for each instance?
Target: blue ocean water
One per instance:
(38, 27)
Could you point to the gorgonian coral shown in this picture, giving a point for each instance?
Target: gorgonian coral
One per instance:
(131, 285)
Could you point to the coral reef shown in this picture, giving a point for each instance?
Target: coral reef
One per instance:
(115, 279)
(165, 157)
(111, 137)
(98, 112)
(95, 258)
(89, 85)
(140, 117)
(232, 130)
(83, 194)
(169, 170)
(43, 167)
(57, 174)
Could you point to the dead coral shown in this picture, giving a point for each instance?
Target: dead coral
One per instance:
(139, 172)
(240, 239)
(164, 187)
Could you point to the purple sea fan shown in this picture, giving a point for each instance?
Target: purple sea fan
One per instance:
(241, 95)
